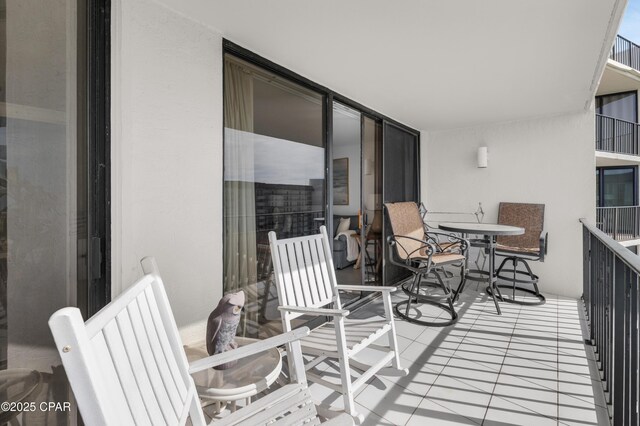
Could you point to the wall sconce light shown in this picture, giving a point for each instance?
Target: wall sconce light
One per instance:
(483, 154)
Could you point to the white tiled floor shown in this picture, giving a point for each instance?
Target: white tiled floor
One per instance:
(528, 366)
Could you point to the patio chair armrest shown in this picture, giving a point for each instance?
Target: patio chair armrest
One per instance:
(544, 241)
(464, 242)
(371, 288)
(315, 311)
(395, 240)
(248, 350)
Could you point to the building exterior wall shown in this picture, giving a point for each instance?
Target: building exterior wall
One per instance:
(544, 160)
(167, 154)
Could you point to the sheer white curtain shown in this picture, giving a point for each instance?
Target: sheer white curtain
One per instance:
(240, 269)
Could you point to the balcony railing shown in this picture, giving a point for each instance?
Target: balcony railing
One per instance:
(611, 277)
(626, 52)
(620, 223)
(619, 136)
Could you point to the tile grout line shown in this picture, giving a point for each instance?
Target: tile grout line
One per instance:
(501, 366)
(445, 366)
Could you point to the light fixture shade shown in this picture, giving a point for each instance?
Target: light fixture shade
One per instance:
(483, 154)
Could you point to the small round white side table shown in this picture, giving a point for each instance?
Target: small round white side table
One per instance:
(249, 377)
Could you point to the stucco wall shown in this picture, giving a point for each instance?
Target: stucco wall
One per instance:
(167, 154)
(545, 160)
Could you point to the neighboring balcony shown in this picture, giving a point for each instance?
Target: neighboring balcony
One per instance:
(626, 52)
(617, 136)
(620, 223)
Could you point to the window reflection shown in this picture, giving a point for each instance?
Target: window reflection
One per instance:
(274, 159)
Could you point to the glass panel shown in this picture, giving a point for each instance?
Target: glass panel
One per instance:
(618, 187)
(372, 195)
(400, 181)
(274, 180)
(622, 106)
(598, 188)
(40, 214)
(347, 176)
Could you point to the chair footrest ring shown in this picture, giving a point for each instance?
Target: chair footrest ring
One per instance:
(423, 298)
(541, 299)
(532, 278)
(453, 320)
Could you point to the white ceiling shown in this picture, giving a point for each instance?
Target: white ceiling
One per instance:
(618, 78)
(431, 64)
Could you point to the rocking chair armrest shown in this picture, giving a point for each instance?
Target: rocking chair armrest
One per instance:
(315, 311)
(245, 351)
(371, 288)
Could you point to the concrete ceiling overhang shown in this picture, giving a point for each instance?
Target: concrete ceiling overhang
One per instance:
(431, 64)
(618, 78)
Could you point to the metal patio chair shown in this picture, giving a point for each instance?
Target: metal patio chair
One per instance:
(126, 365)
(424, 253)
(306, 283)
(521, 249)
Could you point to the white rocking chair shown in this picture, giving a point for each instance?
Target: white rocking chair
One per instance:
(127, 365)
(306, 283)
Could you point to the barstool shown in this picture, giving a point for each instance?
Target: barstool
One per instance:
(518, 250)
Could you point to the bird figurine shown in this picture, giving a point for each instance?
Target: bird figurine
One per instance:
(222, 325)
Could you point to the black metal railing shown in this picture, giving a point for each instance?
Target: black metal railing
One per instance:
(619, 136)
(626, 52)
(620, 223)
(611, 278)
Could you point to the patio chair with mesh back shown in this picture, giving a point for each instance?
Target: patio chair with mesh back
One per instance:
(521, 249)
(421, 253)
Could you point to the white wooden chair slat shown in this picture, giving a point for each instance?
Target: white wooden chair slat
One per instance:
(170, 330)
(127, 365)
(171, 409)
(301, 410)
(96, 323)
(110, 376)
(131, 390)
(175, 365)
(341, 338)
(289, 292)
(324, 269)
(303, 270)
(295, 274)
(290, 404)
(172, 388)
(312, 255)
(139, 370)
(261, 407)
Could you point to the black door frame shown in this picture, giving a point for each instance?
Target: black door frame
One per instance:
(98, 151)
(600, 181)
(330, 96)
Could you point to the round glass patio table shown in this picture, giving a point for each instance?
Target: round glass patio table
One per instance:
(490, 232)
(250, 376)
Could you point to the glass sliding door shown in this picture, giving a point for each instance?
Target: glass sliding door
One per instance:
(274, 180)
(43, 196)
(357, 198)
(373, 245)
(347, 195)
(400, 182)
